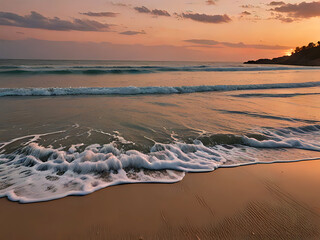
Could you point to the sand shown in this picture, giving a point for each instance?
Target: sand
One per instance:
(276, 201)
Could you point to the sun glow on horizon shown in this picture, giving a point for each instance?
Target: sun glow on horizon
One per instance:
(289, 52)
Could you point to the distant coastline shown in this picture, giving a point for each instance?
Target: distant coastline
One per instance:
(303, 56)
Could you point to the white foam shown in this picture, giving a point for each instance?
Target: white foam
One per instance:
(34, 137)
(38, 173)
(145, 90)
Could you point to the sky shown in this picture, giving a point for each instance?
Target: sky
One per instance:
(175, 30)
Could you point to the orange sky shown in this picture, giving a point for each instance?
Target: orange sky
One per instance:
(221, 30)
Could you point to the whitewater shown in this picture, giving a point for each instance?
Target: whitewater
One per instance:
(102, 69)
(74, 127)
(37, 173)
(145, 90)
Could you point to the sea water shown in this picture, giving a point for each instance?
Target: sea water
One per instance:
(73, 127)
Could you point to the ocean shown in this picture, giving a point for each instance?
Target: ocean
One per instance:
(74, 127)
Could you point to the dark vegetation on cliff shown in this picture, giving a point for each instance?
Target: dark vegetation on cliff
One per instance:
(307, 56)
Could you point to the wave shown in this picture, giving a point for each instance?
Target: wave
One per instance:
(274, 95)
(94, 70)
(35, 173)
(145, 90)
(267, 116)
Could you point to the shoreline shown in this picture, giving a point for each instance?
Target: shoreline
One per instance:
(279, 200)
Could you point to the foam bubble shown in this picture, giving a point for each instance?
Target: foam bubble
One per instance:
(40, 173)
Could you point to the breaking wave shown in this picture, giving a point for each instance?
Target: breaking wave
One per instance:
(94, 70)
(275, 95)
(35, 172)
(145, 90)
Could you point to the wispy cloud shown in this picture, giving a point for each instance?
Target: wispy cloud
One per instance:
(119, 4)
(248, 6)
(282, 18)
(36, 20)
(156, 12)
(276, 3)
(43, 49)
(209, 43)
(207, 18)
(130, 33)
(100, 14)
(245, 13)
(142, 9)
(159, 12)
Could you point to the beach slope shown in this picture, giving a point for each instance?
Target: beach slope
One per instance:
(251, 202)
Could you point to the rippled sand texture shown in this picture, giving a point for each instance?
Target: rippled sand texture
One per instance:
(277, 201)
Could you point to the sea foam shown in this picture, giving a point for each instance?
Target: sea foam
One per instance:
(40, 173)
(146, 90)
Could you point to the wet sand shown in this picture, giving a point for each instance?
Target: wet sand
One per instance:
(276, 201)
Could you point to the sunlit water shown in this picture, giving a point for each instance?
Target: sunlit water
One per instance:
(73, 127)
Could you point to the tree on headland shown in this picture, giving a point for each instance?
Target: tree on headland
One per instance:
(298, 49)
(309, 46)
(308, 55)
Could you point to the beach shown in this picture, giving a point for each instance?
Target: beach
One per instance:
(273, 201)
(158, 150)
(152, 120)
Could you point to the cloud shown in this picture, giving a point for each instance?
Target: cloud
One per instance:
(245, 13)
(36, 20)
(247, 6)
(275, 3)
(44, 49)
(214, 43)
(156, 12)
(202, 41)
(100, 14)
(119, 4)
(130, 33)
(194, 16)
(282, 18)
(207, 18)
(211, 2)
(300, 10)
(142, 9)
